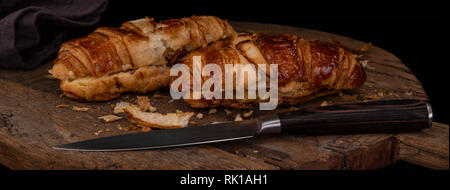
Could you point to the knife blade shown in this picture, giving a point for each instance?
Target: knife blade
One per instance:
(217, 132)
(378, 116)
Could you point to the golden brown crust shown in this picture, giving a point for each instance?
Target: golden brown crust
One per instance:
(109, 50)
(282, 50)
(306, 69)
(134, 45)
(144, 79)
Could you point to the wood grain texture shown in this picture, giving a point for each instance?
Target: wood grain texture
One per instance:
(30, 125)
(366, 117)
(428, 148)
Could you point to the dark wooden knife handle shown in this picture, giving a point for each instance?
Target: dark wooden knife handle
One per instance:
(377, 116)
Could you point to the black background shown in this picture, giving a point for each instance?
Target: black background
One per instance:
(413, 31)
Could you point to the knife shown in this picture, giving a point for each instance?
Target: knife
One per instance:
(377, 116)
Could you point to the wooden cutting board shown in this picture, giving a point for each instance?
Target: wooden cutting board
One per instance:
(30, 125)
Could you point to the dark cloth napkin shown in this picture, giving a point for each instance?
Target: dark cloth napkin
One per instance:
(32, 31)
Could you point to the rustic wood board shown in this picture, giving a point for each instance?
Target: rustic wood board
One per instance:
(428, 148)
(30, 125)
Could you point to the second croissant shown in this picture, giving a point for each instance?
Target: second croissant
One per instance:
(307, 69)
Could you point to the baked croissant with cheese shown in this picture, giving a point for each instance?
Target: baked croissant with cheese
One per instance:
(307, 69)
(132, 57)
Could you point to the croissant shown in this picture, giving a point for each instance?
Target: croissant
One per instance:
(132, 57)
(307, 69)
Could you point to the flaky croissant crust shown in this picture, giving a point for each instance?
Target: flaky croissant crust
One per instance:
(135, 44)
(100, 58)
(307, 69)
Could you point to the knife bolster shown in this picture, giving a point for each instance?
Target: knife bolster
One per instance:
(270, 125)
